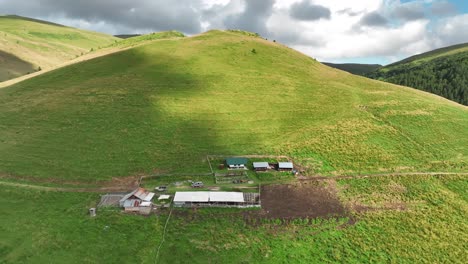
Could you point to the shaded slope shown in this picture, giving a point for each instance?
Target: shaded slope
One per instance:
(354, 68)
(443, 72)
(166, 105)
(139, 39)
(12, 66)
(43, 44)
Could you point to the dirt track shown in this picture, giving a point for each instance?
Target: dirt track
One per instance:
(115, 185)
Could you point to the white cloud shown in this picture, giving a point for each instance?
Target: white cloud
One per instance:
(337, 33)
(451, 30)
(373, 42)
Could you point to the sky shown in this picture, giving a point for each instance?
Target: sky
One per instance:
(340, 31)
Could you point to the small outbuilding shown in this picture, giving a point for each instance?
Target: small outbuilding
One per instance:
(136, 200)
(164, 197)
(261, 166)
(285, 166)
(236, 163)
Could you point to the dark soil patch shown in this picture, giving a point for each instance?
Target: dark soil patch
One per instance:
(309, 199)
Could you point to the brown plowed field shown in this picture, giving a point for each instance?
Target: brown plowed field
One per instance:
(302, 200)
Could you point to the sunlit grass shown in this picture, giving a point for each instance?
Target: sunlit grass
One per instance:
(164, 107)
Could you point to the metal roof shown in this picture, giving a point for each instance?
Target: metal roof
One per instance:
(139, 193)
(192, 197)
(285, 165)
(260, 164)
(235, 161)
(143, 194)
(236, 197)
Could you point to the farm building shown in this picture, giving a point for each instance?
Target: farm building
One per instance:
(285, 166)
(216, 199)
(261, 166)
(236, 163)
(136, 201)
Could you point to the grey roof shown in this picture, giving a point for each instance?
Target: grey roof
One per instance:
(260, 164)
(285, 165)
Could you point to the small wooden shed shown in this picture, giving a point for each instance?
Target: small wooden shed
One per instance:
(261, 166)
(285, 166)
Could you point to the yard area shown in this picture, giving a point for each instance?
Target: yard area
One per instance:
(430, 227)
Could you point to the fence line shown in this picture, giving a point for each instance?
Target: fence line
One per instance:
(163, 236)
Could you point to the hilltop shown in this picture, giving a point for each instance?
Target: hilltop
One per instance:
(28, 45)
(354, 68)
(442, 71)
(165, 105)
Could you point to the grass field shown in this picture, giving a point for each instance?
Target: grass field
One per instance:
(428, 225)
(164, 106)
(42, 44)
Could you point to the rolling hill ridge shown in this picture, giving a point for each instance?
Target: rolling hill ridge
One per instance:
(164, 106)
(28, 45)
(443, 72)
(354, 68)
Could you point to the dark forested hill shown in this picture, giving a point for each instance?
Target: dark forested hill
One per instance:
(443, 72)
(354, 68)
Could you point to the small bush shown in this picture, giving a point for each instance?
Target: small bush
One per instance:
(254, 51)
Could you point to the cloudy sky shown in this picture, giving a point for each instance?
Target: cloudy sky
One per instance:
(365, 31)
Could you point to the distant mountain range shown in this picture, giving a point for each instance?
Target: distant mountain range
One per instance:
(354, 68)
(442, 71)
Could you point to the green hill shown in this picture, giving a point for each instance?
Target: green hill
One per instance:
(354, 68)
(140, 39)
(28, 45)
(164, 106)
(443, 72)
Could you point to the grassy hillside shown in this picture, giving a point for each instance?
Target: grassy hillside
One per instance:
(443, 72)
(354, 68)
(166, 105)
(41, 44)
(13, 66)
(408, 220)
(139, 39)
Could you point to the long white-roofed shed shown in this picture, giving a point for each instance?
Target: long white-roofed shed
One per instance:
(228, 197)
(220, 199)
(191, 197)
